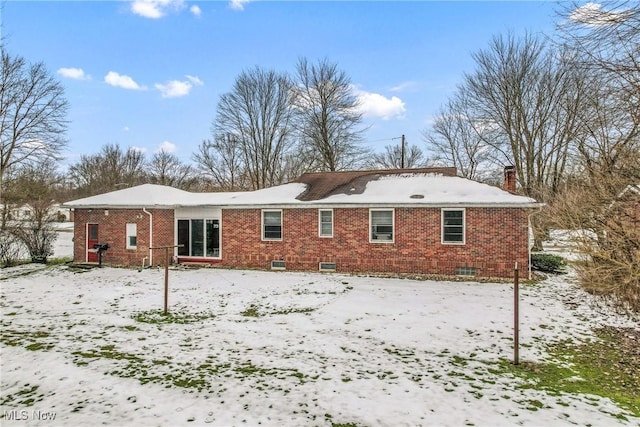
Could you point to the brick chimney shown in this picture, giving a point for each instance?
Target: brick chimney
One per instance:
(510, 179)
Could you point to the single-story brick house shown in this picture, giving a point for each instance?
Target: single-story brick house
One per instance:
(417, 221)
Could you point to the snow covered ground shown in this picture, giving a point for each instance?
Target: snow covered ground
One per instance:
(281, 348)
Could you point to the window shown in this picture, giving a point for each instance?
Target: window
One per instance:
(381, 222)
(184, 237)
(453, 226)
(93, 231)
(325, 223)
(212, 248)
(132, 236)
(199, 237)
(271, 225)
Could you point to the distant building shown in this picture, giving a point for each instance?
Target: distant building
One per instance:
(25, 212)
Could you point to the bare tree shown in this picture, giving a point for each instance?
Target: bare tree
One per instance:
(391, 158)
(600, 200)
(220, 162)
(603, 217)
(605, 41)
(109, 170)
(166, 169)
(606, 36)
(608, 140)
(328, 116)
(529, 99)
(32, 113)
(457, 138)
(258, 115)
(34, 184)
(11, 249)
(37, 234)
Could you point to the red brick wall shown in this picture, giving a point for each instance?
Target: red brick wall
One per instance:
(495, 239)
(112, 230)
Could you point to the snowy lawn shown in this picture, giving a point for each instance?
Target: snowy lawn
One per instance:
(282, 348)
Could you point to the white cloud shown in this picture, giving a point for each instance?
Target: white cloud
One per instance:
(178, 88)
(174, 88)
(146, 9)
(195, 10)
(195, 80)
(238, 4)
(126, 129)
(592, 14)
(120, 80)
(404, 86)
(167, 147)
(34, 144)
(376, 105)
(155, 9)
(74, 73)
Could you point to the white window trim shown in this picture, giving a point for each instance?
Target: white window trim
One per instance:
(129, 234)
(264, 239)
(393, 225)
(464, 226)
(324, 236)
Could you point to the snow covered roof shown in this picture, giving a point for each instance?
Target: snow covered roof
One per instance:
(146, 195)
(375, 188)
(323, 184)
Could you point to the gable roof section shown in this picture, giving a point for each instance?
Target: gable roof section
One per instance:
(145, 195)
(430, 189)
(324, 184)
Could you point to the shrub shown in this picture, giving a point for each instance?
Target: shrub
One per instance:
(38, 237)
(11, 249)
(548, 263)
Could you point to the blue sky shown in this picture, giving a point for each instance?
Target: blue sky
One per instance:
(148, 74)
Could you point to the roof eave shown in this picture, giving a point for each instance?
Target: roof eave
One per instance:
(319, 204)
(104, 206)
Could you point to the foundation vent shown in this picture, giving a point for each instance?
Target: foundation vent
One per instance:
(278, 265)
(327, 266)
(465, 271)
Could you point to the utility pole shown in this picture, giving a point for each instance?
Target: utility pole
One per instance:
(402, 155)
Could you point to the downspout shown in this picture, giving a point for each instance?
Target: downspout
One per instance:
(150, 235)
(529, 228)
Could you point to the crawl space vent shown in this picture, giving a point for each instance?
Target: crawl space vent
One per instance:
(278, 265)
(465, 271)
(327, 266)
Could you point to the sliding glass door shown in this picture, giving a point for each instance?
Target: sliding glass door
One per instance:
(199, 237)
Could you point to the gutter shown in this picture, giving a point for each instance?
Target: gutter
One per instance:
(150, 235)
(321, 205)
(307, 205)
